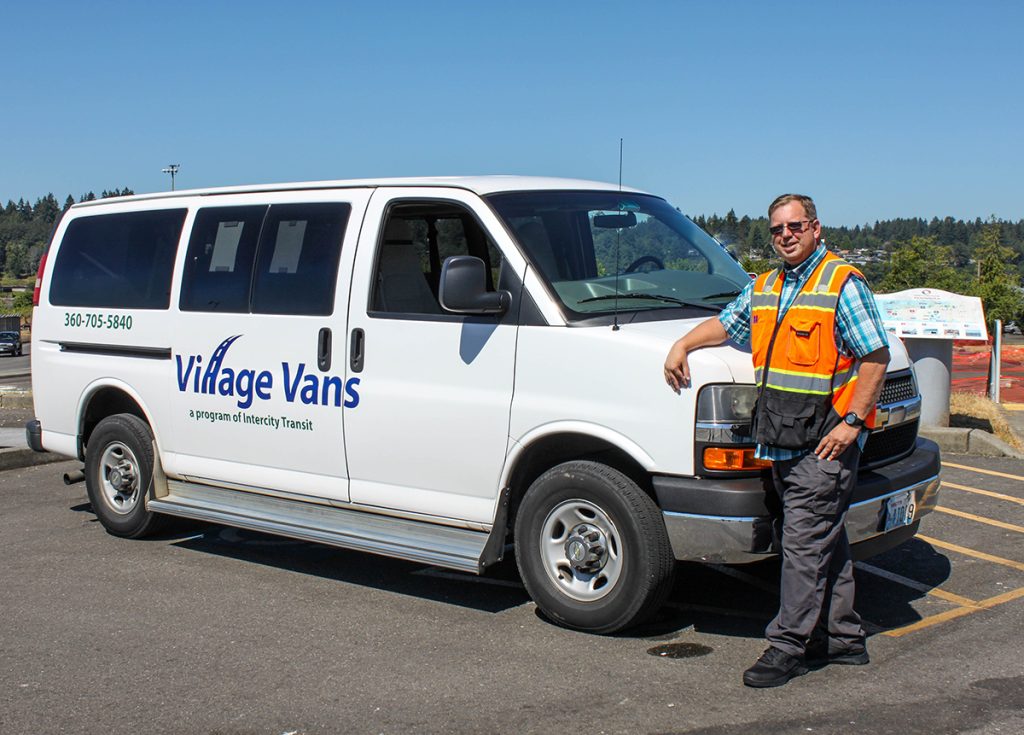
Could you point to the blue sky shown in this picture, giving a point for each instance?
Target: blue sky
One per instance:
(876, 109)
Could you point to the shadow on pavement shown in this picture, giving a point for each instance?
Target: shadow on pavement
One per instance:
(354, 567)
(734, 601)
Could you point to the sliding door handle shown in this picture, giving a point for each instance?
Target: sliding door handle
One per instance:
(357, 350)
(323, 350)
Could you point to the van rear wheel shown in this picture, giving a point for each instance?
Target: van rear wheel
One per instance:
(119, 475)
(592, 548)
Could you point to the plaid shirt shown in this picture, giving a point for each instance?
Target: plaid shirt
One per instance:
(859, 329)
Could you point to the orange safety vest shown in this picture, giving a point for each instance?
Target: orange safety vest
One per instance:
(805, 382)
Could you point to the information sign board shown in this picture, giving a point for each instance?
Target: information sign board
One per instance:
(927, 313)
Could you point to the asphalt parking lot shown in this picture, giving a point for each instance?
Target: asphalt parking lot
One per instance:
(212, 630)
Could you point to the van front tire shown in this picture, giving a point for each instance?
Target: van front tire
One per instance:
(119, 475)
(592, 548)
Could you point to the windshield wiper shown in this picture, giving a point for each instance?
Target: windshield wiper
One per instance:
(655, 297)
(721, 295)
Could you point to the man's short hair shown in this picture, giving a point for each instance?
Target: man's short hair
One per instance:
(808, 204)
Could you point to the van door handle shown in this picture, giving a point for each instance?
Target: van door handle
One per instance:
(323, 350)
(357, 349)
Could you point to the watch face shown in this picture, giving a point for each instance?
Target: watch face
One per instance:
(852, 419)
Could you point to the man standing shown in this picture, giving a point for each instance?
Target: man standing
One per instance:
(820, 354)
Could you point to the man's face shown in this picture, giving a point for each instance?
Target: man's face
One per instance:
(794, 246)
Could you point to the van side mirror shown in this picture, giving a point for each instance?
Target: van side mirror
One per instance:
(464, 288)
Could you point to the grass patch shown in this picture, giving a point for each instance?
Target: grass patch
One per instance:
(971, 411)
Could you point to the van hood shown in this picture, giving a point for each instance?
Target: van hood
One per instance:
(729, 362)
(730, 356)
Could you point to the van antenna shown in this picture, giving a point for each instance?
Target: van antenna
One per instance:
(618, 238)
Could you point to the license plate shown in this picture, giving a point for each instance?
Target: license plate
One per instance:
(899, 510)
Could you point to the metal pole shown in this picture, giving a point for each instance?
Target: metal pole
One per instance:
(171, 169)
(996, 360)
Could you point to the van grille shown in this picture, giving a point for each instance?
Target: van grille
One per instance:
(890, 444)
(887, 445)
(898, 387)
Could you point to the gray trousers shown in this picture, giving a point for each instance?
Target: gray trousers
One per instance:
(817, 588)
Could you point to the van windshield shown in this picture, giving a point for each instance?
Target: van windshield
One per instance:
(609, 251)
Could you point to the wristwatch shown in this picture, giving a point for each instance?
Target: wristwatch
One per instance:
(852, 419)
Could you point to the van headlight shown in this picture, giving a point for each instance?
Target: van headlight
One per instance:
(726, 404)
(723, 441)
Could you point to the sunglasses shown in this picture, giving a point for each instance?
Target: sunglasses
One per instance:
(795, 227)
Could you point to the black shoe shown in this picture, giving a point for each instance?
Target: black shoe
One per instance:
(774, 669)
(818, 654)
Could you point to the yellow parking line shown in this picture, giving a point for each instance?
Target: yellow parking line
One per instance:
(942, 617)
(984, 472)
(979, 491)
(971, 552)
(957, 612)
(980, 519)
(1000, 599)
(1013, 406)
(914, 584)
(950, 597)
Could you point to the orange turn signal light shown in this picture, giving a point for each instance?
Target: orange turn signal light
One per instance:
(733, 459)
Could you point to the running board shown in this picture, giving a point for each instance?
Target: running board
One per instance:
(429, 543)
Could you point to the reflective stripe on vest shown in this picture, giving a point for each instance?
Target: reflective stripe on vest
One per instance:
(804, 355)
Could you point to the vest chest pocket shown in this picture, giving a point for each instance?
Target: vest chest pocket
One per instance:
(803, 342)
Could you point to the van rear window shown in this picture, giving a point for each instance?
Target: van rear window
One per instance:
(218, 268)
(297, 260)
(119, 261)
(278, 261)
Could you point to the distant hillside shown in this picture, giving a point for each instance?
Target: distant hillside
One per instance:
(871, 245)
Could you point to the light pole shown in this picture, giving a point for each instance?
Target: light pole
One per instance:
(172, 169)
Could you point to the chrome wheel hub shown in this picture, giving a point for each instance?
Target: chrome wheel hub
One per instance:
(119, 478)
(585, 549)
(581, 550)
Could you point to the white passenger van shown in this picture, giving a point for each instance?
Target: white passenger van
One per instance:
(430, 369)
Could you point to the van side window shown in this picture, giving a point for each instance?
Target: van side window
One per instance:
(218, 267)
(118, 261)
(417, 237)
(297, 265)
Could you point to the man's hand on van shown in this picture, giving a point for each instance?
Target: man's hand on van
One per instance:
(677, 370)
(706, 334)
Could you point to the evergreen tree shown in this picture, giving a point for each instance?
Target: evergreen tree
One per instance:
(47, 209)
(16, 262)
(998, 282)
(758, 242)
(729, 230)
(116, 193)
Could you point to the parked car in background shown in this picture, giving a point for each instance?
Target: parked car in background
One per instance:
(10, 343)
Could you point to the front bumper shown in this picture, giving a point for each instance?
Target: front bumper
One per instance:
(727, 521)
